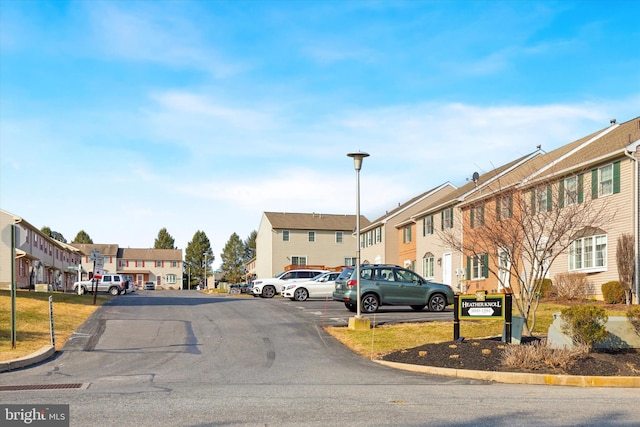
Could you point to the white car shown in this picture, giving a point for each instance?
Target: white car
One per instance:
(319, 287)
(268, 288)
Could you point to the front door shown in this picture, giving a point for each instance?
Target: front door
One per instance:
(446, 269)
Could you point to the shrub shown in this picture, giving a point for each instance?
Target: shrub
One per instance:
(613, 293)
(633, 314)
(570, 285)
(538, 355)
(545, 287)
(585, 324)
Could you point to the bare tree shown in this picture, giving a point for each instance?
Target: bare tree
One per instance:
(523, 231)
(624, 258)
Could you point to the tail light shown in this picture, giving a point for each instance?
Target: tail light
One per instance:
(352, 283)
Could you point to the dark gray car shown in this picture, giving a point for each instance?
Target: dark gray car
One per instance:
(383, 284)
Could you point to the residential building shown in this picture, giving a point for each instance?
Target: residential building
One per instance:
(164, 267)
(391, 237)
(38, 259)
(286, 240)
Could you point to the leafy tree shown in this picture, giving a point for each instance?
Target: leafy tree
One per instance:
(82, 237)
(164, 240)
(250, 246)
(233, 259)
(198, 257)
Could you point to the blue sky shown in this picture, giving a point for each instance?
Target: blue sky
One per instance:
(123, 117)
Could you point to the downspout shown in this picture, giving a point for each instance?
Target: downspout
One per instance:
(636, 195)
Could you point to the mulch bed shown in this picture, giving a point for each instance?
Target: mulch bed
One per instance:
(486, 355)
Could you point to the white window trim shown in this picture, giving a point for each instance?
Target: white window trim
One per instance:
(594, 268)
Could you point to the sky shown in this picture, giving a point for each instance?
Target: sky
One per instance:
(121, 118)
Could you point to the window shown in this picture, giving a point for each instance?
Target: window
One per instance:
(427, 225)
(477, 216)
(139, 264)
(285, 235)
(386, 274)
(478, 266)
(158, 263)
(369, 238)
(378, 234)
(349, 261)
(299, 260)
(504, 269)
(174, 264)
(339, 236)
(171, 278)
(605, 180)
(428, 265)
(312, 236)
(406, 234)
(570, 191)
(447, 218)
(504, 207)
(588, 253)
(122, 263)
(542, 202)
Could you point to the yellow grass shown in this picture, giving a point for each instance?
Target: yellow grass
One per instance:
(32, 320)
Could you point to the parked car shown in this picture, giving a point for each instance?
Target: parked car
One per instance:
(390, 285)
(149, 286)
(321, 286)
(129, 287)
(268, 288)
(240, 288)
(112, 283)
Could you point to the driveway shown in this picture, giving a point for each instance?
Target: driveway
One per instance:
(182, 358)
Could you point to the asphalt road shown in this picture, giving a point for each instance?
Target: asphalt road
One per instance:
(176, 358)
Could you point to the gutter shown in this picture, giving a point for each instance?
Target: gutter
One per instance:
(633, 148)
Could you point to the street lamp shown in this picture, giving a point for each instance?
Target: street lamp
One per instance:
(357, 163)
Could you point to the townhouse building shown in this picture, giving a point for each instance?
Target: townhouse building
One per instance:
(164, 267)
(34, 258)
(390, 239)
(287, 240)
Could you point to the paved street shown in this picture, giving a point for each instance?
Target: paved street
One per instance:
(176, 358)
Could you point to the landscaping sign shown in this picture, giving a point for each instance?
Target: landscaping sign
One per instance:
(481, 307)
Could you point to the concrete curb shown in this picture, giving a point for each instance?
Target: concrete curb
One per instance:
(518, 377)
(43, 354)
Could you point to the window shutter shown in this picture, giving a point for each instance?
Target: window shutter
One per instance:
(549, 198)
(533, 202)
(485, 265)
(616, 177)
(594, 184)
(468, 268)
(561, 193)
(581, 188)
(472, 216)
(498, 201)
(442, 220)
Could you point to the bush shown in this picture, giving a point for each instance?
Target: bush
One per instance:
(613, 293)
(545, 288)
(538, 356)
(633, 314)
(570, 285)
(585, 324)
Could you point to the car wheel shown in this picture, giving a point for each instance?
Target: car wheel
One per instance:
(370, 303)
(301, 294)
(268, 292)
(417, 307)
(437, 302)
(351, 307)
(114, 290)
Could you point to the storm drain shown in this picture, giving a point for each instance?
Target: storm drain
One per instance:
(40, 387)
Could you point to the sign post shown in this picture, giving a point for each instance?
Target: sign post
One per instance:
(98, 269)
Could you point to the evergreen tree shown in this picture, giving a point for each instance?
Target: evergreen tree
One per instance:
(250, 246)
(233, 259)
(198, 256)
(164, 240)
(82, 237)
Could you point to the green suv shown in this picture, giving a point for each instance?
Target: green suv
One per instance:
(390, 285)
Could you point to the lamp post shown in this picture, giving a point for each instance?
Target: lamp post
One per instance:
(357, 163)
(204, 284)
